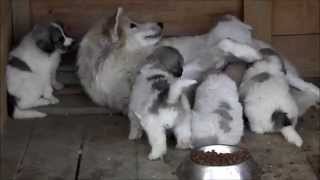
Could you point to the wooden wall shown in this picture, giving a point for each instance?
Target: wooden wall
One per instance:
(5, 33)
(291, 25)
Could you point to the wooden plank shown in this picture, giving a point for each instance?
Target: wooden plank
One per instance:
(181, 17)
(53, 149)
(21, 18)
(296, 17)
(258, 13)
(107, 153)
(14, 143)
(302, 50)
(5, 34)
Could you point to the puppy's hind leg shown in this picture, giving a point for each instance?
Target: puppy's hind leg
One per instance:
(291, 135)
(183, 135)
(239, 50)
(135, 127)
(157, 138)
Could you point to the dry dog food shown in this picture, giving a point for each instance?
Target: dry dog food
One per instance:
(212, 158)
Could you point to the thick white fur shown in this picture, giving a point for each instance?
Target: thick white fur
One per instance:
(33, 89)
(192, 47)
(262, 99)
(215, 90)
(109, 57)
(176, 116)
(196, 48)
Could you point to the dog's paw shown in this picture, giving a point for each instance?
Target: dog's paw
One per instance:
(53, 100)
(156, 154)
(297, 140)
(184, 144)
(57, 85)
(135, 135)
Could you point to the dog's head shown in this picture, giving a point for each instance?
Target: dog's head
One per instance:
(51, 37)
(132, 34)
(168, 59)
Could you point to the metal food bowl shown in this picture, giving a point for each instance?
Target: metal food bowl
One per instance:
(246, 170)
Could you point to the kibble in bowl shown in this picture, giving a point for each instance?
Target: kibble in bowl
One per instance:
(218, 162)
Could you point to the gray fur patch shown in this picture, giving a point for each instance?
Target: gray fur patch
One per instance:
(224, 114)
(19, 64)
(268, 52)
(280, 120)
(162, 86)
(224, 105)
(261, 77)
(224, 125)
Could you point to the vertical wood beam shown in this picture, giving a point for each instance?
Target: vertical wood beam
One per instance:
(21, 18)
(5, 37)
(258, 13)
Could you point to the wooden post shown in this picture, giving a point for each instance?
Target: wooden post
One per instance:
(5, 37)
(258, 13)
(21, 18)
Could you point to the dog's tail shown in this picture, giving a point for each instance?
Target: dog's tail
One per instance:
(15, 112)
(177, 88)
(287, 129)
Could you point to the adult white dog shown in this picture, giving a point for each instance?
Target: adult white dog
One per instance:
(110, 55)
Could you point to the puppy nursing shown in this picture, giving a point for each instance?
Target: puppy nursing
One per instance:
(268, 104)
(158, 103)
(32, 68)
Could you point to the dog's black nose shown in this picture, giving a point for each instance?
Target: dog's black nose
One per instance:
(160, 24)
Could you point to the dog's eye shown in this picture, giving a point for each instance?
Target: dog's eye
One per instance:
(132, 25)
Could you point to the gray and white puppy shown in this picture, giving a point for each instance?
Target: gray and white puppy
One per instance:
(157, 102)
(32, 68)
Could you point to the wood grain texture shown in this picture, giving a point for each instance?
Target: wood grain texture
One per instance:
(53, 149)
(21, 18)
(296, 17)
(258, 13)
(303, 51)
(5, 34)
(180, 17)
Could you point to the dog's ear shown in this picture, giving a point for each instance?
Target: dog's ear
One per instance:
(114, 25)
(41, 35)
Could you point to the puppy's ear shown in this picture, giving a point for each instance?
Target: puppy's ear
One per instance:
(41, 36)
(114, 25)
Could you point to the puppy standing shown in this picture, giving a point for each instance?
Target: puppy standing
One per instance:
(31, 69)
(268, 104)
(157, 102)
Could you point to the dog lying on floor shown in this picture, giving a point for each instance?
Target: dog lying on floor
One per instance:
(110, 55)
(31, 70)
(268, 103)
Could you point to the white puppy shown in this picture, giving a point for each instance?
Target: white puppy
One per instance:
(31, 69)
(157, 102)
(217, 113)
(110, 55)
(267, 101)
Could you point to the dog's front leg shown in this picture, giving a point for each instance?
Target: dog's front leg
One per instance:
(49, 96)
(135, 127)
(302, 85)
(157, 138)
(183, 134)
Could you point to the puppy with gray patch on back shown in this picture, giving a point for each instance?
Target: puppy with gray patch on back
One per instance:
(32, 68)
(268, 103)
(158, 102)
(217, 113)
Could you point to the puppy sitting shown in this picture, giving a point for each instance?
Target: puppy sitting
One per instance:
(31, 70)
(268, 103)
(157, 102)
(217, 113)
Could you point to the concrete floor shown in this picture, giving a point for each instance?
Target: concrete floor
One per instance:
(95, 147)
